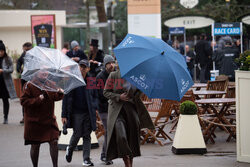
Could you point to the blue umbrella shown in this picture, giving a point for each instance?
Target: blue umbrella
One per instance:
(153, 66)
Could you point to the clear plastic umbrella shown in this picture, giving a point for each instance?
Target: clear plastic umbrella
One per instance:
(49, 69)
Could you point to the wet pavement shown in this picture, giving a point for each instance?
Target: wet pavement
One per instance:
(13, 153)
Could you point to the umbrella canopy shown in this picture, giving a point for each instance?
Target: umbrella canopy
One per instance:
(153, 66)
(49, 69)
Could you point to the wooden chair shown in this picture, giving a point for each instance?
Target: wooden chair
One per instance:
(219, 85)
(221, 77)
(155, 106)
(230, 92)
(160, 121)
(99, 126)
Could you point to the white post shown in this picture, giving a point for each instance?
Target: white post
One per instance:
(213, 43)
(241, 39)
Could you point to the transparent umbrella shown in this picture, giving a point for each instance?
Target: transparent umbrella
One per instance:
(49, 69)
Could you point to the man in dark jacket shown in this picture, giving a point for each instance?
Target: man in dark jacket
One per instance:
(19, 66)
(190, 58)
(95, 58)
(224, 59)
(76, 53)
(103, 101)
(78, 112)
(203, 56)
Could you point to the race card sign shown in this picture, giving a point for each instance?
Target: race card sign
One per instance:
(227, 29)
(43, 35)
(43, 30)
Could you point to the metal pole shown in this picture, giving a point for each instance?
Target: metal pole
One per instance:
(88, 25)
(213, 43)
(185, 52)
(195, 65)
(113, 40)
(241, 38)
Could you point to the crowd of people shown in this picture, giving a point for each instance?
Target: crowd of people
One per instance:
(119, 106)
(205, 52)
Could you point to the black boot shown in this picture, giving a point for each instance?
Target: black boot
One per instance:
(5, 121)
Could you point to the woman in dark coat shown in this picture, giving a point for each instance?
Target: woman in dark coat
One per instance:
(95, 58)
(126, 116)
(39, 120)
(7, 89)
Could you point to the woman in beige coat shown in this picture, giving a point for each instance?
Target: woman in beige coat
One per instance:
(126, 116)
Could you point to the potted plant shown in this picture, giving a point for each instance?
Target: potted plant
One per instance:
(188, 137)
(242, 82)
(244, 61)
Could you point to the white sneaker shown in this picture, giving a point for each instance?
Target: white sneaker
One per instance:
(87, 162)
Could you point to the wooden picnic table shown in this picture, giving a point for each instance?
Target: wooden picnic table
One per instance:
(205, 93)
(209, 92)
(218, 118)
(198, 86)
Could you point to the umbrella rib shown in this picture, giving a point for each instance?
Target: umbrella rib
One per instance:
(158, 71)
(141, 62)
(175, 76)
(47, 56)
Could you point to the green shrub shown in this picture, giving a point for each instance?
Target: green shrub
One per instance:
(188, 108)
(244, 61)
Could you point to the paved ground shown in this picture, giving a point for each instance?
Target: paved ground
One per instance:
(13, 153)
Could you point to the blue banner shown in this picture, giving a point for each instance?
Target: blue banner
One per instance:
(176, 30)
(227, 29)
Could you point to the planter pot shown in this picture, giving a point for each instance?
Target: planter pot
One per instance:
(242, 80)
(188, 137)
(18, 86)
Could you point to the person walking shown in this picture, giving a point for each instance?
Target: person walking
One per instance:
(126, 115)
(95, 58)
(101, 78)
(78, 113)
(65, 48)
(19, 67)
(76, 53)
(7, 89)
(190, 59)
(203, 52)
(40, 124)
(225, 60)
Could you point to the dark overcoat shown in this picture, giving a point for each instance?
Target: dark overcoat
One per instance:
(39, 120)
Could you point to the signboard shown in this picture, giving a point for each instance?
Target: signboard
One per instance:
(226, 29)
(176, 30)
(246, 19)
(189, 3)
(144, 17)
(43, 30)
(189, 22)
(144, 6)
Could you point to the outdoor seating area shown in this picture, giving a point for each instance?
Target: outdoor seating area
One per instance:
(216, 112)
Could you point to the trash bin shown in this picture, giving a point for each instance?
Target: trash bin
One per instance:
(214, 73)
